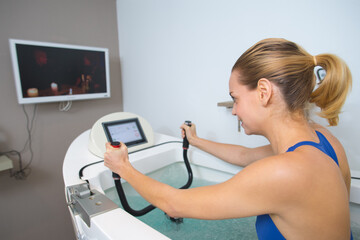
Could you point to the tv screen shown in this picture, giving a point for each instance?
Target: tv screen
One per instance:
(51, 72)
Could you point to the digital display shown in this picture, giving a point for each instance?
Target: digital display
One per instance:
(128, 131)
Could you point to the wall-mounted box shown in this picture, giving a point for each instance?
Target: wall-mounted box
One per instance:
(5, 163)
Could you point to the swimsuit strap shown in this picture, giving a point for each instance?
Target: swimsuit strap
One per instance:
(324, 146)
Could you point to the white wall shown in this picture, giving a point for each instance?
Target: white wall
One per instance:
(176, 57)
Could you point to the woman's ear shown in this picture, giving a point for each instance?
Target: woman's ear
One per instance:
(264, 89)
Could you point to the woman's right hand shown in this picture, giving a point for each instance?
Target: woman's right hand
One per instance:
(190, 132)
(117, 159)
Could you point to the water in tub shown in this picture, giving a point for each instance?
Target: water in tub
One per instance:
(176, 176)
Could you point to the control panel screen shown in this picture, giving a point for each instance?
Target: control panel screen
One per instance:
(128, 131)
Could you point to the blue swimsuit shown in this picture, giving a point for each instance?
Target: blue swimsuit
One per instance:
(265, 227)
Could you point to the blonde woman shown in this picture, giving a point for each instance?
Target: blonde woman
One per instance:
(298, 185)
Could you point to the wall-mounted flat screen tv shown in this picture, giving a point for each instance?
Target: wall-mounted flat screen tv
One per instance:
(52, 72)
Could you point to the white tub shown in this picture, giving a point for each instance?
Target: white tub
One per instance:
(355, 187)
(118, 224)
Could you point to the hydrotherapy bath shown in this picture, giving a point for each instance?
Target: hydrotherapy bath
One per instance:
(114, 222)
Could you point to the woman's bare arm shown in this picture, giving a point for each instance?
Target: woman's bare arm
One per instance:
(248, 193)
(235, 154)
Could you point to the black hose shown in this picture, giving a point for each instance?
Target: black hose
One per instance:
(126, 205)
(188, 168)
(150, 207)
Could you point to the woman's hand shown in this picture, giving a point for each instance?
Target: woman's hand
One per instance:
(190, 132)
(117, 159)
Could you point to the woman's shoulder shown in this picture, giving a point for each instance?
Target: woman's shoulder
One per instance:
(286, 169)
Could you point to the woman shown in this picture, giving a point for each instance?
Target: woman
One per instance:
(299, 184)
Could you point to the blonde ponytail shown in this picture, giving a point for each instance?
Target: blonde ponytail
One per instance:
(291, 68)
(332, 91)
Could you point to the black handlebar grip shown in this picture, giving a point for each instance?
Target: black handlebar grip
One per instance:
(185, 140)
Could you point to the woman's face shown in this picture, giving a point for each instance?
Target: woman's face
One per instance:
(245, 104)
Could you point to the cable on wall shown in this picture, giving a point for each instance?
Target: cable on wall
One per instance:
(65, 106)
(24, 172)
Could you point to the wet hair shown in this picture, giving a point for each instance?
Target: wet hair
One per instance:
(291, 68)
